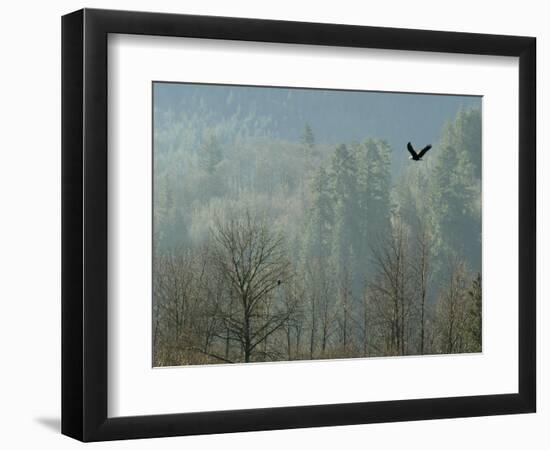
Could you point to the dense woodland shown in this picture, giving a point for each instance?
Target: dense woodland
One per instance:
(270, 248)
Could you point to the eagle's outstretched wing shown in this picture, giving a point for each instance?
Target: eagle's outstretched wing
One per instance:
(411, 150)
(424, 151)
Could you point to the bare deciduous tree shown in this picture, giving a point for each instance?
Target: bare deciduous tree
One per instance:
(422, 271)
(390, 288)
(253, 262)
(451, 310)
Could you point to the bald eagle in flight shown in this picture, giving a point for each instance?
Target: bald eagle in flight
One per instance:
(417, 156)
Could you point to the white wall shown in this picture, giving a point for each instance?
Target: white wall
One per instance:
(30, 223)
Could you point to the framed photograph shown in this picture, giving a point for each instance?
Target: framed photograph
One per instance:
(273, 224)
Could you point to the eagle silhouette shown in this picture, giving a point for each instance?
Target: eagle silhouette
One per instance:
(417, 156)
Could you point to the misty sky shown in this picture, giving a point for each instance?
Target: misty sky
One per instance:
(334, 115)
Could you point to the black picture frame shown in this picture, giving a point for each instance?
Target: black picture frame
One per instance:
(84, 224)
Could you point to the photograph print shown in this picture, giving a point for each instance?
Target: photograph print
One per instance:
(314, 224)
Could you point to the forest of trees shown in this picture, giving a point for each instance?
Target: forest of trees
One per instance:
(269, 249)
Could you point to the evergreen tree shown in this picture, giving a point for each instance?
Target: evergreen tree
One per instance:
(345, 199)
(308, 138)
(455, 192)
(210, 154)
(310, 153)
(320, 217)
(374, 187)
